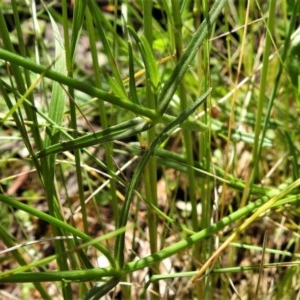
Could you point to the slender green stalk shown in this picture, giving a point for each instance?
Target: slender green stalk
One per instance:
(31, 115)
(95, 92)
(139, 169)
(98, 19)
(16, 71)
(187, 57)
(76, 84)
(150, 172)
(102, 111)
(48, 168)
(56, 223)
(263, 86)
(187, 136)
(291, 27)
(70, 49)
(206, 245)
(261, 102)
(260, 206)
(77, 275)
(79, 9)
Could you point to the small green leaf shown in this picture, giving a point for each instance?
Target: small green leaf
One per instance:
(116, 88)
(150, 62)
(148, 58)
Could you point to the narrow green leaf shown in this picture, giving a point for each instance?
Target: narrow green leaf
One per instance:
(7, 44)
(8, 240)
(55, 222)
(148, 58)
(273, 196)
(77, 84)
(120, 131)
(116, 88)
(98, 19)
(97, 292)
(187, 57)
(76, 275)
(20, 101)
(58, 97)
(77, 21)
(150, 63)
(132, 88)
(165, 133)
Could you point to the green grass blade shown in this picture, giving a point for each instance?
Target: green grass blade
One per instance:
(55, 222)
(95, 92)
(8, 241)
(99, 25)
(187, 57)
(148, 58)
(120, 131)
(98, 292)
(132, 88)
(155, 144)
(78, 18)
(261, 100)
(58, 97)
(239, 214)
(76, 84)
(7, 44)
(78, 275)
(296, 7)
(17, 72)
(17, 117)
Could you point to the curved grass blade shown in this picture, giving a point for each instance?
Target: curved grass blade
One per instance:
(194, 238)
(97, 292)
(119, 253)
(151, 66)
(95, 92)
(78, 17)
(120, 131)
(7, 239)
(185, 60)
(58, 97)
(98, 19)
(55, 222)
(77, 84)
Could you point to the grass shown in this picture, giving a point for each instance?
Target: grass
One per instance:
(166, 167)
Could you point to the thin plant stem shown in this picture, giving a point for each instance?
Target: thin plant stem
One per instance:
(263, 86)
(150, 173)
(292, 23)
(205, 157)
(187, 137)
(102, 111)
(72, 107)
